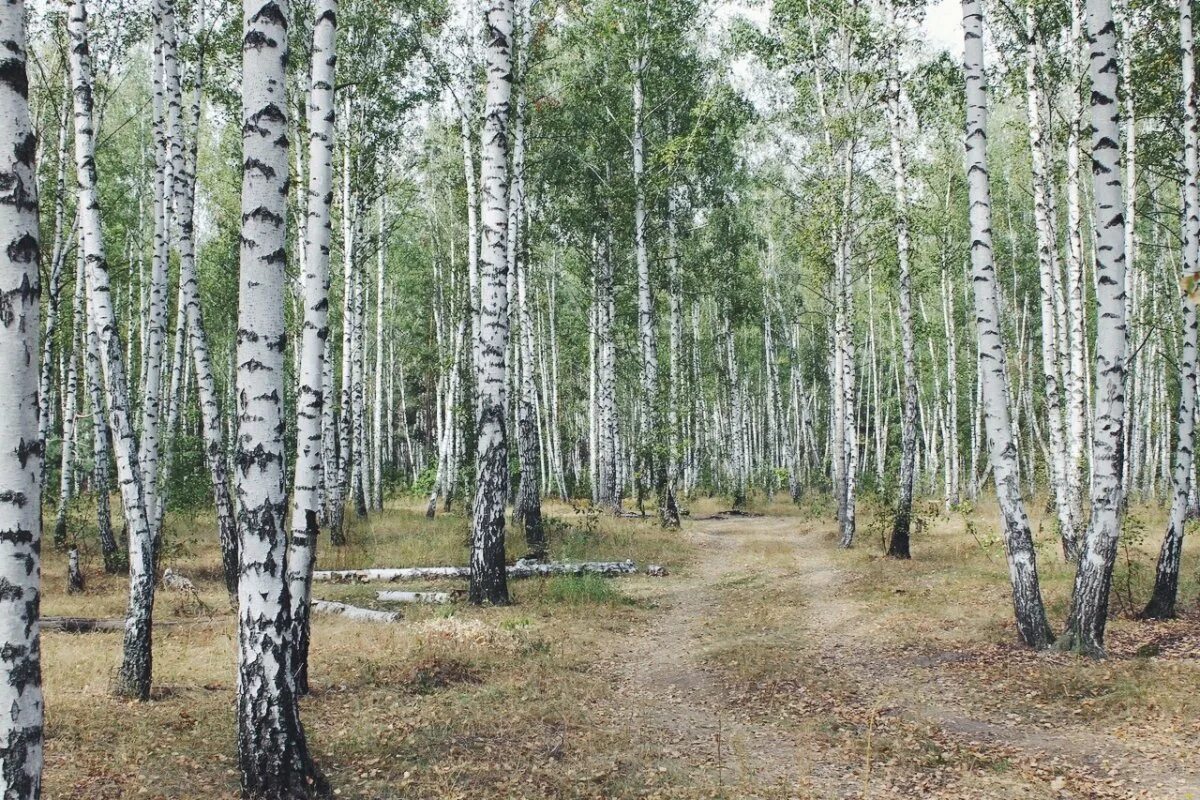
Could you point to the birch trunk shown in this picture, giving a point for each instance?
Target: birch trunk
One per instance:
(1047, 270)
(211, 415)
(528, 511)
(57, 261)
(21, 731)
(113, 560)
(70, 416)
(899, 545)
(488, 580)
(646, 467)
(163, 13)
(272, 753)
(1027, 599)
(1089, 613)
(1166, 580)
(360, 462)
(1075, 368)
(669, 513)
(133, 678)
(311, 402)
(377, 411)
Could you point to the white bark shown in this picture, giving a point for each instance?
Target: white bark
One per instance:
(354, 613)
(430, 598)
(377, 411)
(21, 728)
(312, 400)
(1027, 601)
(1047, 270)
(134, 676)
(1085, 630)
(272, 753)
(522, 569)
(491, 475)
(1166, 583)
(1076, 321)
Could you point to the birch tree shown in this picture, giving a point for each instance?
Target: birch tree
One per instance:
(133, 678)
(272, 751)
(899, 544)
(1166, 579)
(1093, 579)
(488, 579)
(21, 730)
(1030, 613)
(306, 506)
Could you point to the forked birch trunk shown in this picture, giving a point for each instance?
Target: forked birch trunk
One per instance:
(1093, 580)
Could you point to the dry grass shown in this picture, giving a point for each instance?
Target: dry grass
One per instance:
(449, 698)
(455, 701)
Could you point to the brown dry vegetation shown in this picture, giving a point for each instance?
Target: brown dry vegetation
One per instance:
(768, 664)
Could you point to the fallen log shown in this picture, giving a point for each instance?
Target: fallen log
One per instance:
(522, 569)
(417, 597)
(101, 624)
(354, 612)
(391, 575)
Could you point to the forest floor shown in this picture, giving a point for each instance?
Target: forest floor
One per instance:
(768, 664)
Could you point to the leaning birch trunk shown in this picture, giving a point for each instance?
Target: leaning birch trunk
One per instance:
(272, 753)
(1093, 580)
(21, 732)
(1027, 598)
(899, 545)
(133, 679)
(1166, 580)
(306, 504)
(488, 584)
(1047, 271)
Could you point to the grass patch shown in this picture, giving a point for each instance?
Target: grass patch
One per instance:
(578, 590)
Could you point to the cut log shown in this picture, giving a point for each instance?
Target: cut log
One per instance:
(417, 597)
(354, 612)
(522, 569)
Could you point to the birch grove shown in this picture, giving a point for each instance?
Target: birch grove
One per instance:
(324, 287)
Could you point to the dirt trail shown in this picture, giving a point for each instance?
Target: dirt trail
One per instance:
(680, 711)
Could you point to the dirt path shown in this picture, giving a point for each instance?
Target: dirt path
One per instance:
(684, 712)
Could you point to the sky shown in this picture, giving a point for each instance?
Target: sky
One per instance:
(943, 25)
